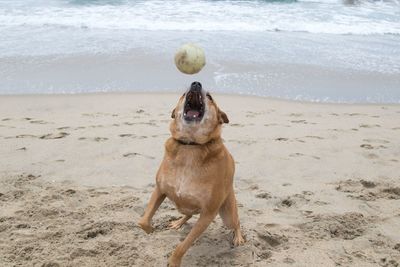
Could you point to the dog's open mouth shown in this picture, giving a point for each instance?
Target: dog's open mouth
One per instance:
(194, 106)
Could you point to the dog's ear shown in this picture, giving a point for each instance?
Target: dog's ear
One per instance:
(173, 114)
(223, 118)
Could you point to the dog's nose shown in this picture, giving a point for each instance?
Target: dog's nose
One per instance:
(196, 86)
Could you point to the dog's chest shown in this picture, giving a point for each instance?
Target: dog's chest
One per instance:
(186, 187)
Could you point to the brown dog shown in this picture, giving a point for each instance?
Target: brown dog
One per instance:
(197, 170)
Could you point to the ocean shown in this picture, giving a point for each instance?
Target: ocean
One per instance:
(324, 50)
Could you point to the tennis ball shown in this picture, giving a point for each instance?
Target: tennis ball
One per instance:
(190, 58)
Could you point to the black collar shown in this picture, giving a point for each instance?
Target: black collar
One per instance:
(187, 143)
(192, 143)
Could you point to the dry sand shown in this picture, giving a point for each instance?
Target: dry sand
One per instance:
(317, 184)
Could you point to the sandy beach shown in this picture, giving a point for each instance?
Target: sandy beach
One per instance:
(317, 184)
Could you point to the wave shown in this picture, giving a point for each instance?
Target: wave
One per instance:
(322, 16)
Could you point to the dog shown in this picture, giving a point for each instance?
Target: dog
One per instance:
(196, 172)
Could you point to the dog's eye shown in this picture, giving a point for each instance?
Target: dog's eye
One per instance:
(209, 96)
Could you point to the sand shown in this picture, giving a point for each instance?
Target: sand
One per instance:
(317, 184)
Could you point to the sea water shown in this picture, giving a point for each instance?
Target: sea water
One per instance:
(322, 50)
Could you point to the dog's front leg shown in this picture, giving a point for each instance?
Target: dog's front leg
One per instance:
(155, 201)
(201, 225)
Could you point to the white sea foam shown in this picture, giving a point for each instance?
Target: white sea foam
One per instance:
(322, 16)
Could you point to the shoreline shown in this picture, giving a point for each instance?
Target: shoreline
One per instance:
(176, 93)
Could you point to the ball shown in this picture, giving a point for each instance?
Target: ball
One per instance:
(190, 59)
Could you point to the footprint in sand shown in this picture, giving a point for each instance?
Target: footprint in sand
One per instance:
(295, 200)
(295, 115)
(296, 154)
(354, 114)
(369, 126)
(24, 136)
(244, 142)
(369, 146)
(236, 125)
(287, 202)
(314, 137)
(368, 190)
(251, 114)
(96, 139)
(96, 126)
(99, 114)
(63, 128)
(254, 212)
(345, 226)
(141, 123)
(253, 187)
(39, 122)
(276, 124)
(379, 141)
(321, 203)
(96, 229)
(299, 121)
(54, 135)
(265, 240)
(127, 135)
(264, 195)
(134, 154)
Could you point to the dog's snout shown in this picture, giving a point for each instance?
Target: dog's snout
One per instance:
(196, 86)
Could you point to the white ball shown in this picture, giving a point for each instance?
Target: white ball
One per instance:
(190, 58)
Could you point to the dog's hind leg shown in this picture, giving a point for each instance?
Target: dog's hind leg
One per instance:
(155, 201)
(178, 223)
(230, 217)
(200, 226)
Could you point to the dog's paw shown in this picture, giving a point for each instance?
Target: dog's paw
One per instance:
(175, 225)
(146, 227)
(173, 262)
(238, 239)
(178, 223)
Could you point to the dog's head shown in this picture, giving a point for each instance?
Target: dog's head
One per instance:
(196, 117)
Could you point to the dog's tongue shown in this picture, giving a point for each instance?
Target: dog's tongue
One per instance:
(193, 113)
